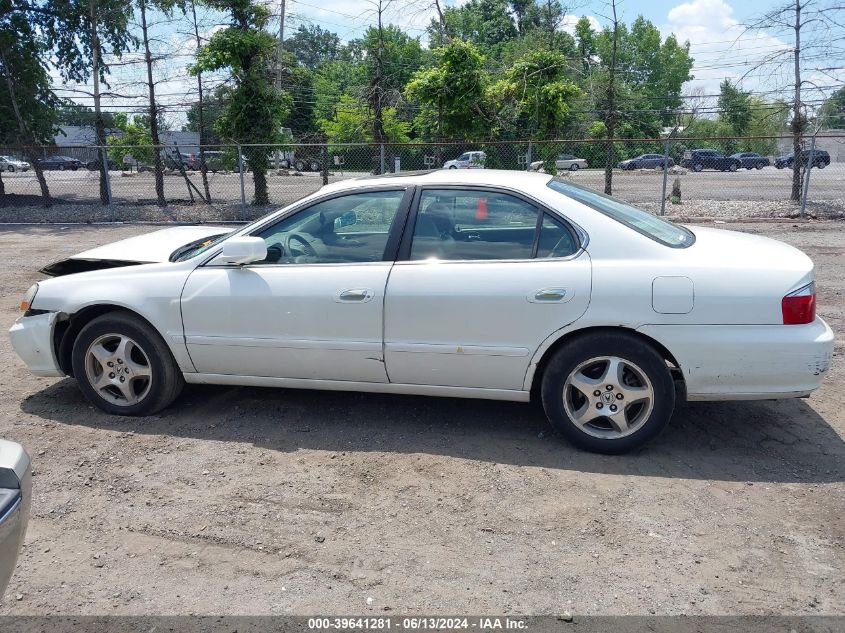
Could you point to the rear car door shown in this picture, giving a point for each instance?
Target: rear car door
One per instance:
(483, 276)
(313, 309)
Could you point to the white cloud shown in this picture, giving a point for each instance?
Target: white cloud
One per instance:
(569, 22)
(722, 47)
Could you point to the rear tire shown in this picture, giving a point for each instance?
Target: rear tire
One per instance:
(697, 167)
(642, 400)
(573, 167)
(124, 367)
(299, 165)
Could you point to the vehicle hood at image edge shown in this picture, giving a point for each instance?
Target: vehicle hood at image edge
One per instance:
(142, 249)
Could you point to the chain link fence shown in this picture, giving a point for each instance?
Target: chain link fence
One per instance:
(733, 178)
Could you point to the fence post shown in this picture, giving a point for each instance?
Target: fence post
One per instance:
(325, 163)
(381, 158)
(241, 174)
(808, 168)
(665, 176)
(105, 158)
(528, 156)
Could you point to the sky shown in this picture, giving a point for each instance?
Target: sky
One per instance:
(721, 45)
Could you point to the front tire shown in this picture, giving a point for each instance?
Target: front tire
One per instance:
(697, 167)
(732, 167)
(573, 167)
(636, 394)
(123, 366)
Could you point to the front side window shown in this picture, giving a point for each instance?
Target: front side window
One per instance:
(453, 224)
(463, 157)
(346, 229)
(641, 221)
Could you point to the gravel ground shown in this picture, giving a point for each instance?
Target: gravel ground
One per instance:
(247, 501)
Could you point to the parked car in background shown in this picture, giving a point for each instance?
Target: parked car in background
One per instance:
(15, 501)
(563, 162)
(13, 164)
(179, 161)
(467, 160)
(647, 161)
(821, 159)
(61, 163)
(94, 165)
(699, 159)
(751, 160)
(479, 283)
(301, 161)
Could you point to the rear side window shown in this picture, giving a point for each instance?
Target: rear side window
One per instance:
(456, 224)
(658, 229)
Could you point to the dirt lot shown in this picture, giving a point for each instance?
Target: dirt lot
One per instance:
(269, 501)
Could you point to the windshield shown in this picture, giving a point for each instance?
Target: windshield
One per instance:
(656, 228)
(192, 249)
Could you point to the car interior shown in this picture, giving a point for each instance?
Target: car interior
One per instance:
(473, 225)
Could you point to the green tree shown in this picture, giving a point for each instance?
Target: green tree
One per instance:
(452, 93)
(203, 121)
(735, 108)
(83, 36)
(537, 96)
(586, 39)
(352, 123)
(80, 115)
(333, 80)
(486, 23)
(27, 105)
(831, 114)
(313, 46)
(255, 110)
(133, 139)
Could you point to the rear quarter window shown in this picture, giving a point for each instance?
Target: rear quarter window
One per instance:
(660, 230)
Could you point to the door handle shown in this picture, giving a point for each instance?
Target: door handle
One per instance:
(550, 295)
(355, 295)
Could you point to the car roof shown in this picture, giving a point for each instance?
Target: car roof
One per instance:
(479, 177)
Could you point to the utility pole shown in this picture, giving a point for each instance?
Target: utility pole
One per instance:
(280, 48)
(148, 59)
(99, 124)
(797, 119)
(200, 111)
(611, 107)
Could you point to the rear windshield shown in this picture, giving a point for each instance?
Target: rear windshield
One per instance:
(641, 221)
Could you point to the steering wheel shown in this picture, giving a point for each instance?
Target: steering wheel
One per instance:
(302, 245)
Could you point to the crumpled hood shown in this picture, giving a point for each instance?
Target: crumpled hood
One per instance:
(141, 249)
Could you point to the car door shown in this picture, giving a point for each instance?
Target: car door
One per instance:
(313, 309)
(483, 276)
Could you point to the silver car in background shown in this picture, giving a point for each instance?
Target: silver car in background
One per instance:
(12, 164)
(563, 162)
(15, 501)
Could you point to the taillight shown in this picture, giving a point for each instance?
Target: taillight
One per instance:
(799, 306)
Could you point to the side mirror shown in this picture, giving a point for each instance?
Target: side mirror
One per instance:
(241, 250)
(15, 499)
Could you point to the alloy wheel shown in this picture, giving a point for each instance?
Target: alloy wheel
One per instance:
(608, 397)
(118, 369)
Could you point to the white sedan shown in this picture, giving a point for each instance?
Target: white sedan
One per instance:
(480, 284)
(563, 162)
